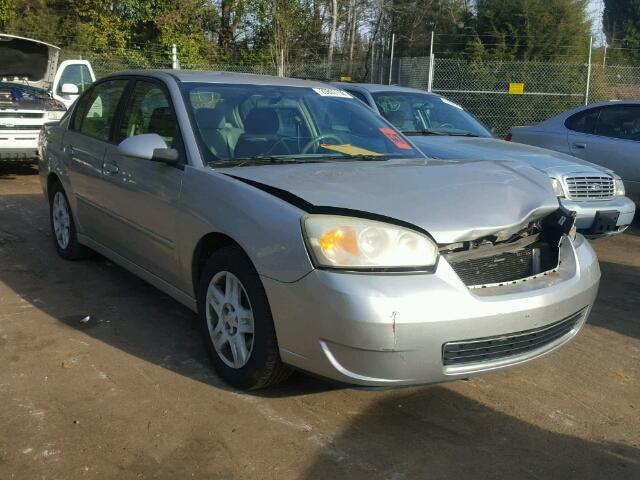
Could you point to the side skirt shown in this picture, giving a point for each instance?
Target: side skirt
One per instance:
(147, 276)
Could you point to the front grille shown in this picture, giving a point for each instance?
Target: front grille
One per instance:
(21, 115)
(19, 127)
(589, 187)
(501, 268)
(491, 348)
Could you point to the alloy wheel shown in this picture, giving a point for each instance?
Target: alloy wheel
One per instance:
(61, 218)
(230, 319)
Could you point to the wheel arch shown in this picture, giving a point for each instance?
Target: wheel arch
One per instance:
(207, 246)
(52, 179)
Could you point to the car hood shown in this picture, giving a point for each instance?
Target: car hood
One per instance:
(470, 148)
(24, 60)
(452, 200)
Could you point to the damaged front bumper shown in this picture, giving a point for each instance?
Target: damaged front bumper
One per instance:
(587, 213)
(395, 329)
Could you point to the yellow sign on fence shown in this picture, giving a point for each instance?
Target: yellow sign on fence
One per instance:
(516, 89)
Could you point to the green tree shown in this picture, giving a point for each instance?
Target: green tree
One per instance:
(532, 29)
(621, 22)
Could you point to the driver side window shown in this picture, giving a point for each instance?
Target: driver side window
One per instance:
(149, 111)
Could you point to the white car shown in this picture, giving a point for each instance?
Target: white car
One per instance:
(34, 91)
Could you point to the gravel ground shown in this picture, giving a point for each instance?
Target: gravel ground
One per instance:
(129, 393)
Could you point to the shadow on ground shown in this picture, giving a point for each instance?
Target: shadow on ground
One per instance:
(435, 433)
(123, 311)
(10, 171)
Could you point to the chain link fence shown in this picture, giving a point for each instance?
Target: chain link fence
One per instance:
(543, 89)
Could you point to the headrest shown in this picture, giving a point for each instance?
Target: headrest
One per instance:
(262, 121)
(208, 118)
(162, 122)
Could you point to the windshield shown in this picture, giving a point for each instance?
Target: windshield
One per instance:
(246, 124)
(417, 113)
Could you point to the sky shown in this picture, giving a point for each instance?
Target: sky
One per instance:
(595, 9)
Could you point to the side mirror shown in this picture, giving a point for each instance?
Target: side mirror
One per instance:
(149, 146)
(69, 89)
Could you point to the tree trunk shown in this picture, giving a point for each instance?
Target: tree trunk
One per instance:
(332, 33)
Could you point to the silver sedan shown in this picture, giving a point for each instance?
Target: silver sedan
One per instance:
(606, 133)
(443, 129)
(308, 233)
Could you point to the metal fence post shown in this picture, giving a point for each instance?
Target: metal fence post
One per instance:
(430, 79)
(586, 93)
(174, 57)
(393, 40)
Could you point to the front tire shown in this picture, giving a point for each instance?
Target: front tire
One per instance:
(236, 322)
(63, 227)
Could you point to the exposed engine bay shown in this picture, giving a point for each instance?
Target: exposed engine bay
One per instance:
(507, 257)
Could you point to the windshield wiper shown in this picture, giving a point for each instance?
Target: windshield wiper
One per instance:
(256, 160)
(423, 132)
(463, 134)
(362, 157)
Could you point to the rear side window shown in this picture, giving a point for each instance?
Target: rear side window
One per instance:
(620, 121)
(583, 122)
(96, 112)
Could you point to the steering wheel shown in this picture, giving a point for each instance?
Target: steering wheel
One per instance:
(317, 140)
(446, 125)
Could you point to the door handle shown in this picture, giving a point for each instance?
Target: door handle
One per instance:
(109, 168)
(579, 145)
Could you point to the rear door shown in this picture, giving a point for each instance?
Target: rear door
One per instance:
(143, 195)
(616, 143)
(580, 128)
(84, 147)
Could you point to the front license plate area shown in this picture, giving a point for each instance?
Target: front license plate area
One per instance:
(605, 221)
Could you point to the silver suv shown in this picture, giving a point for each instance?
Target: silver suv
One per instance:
(307, 232)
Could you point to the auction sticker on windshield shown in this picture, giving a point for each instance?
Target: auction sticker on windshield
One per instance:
(332, 92)
(395, 138)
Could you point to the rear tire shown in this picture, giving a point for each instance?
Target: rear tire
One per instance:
(236, 322)
(63, 228)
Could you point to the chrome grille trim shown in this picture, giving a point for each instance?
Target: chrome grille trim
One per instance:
(589, 187)
(487, 349)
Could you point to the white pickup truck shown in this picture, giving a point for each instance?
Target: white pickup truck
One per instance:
(34, 91)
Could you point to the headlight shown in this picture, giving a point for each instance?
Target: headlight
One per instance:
(54, 114)
(618, 187)
(354, 243)
(557, 187)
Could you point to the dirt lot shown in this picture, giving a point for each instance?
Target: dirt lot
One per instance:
(129, 393)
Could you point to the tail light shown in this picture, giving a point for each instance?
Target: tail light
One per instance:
(508, 137)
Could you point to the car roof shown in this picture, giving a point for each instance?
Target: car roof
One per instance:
(195, 76)
(376, 87)
(33, 40)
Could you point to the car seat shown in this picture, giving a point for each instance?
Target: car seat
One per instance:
(261, 134)
(163, 122)
(219, 136)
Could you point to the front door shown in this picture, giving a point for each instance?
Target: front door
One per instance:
(144, 195)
